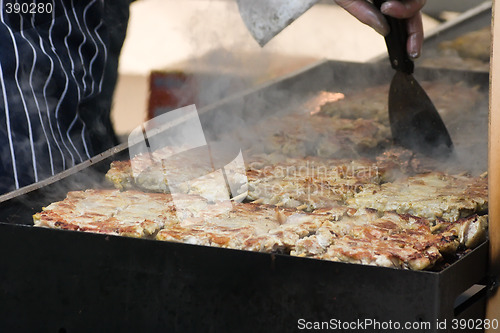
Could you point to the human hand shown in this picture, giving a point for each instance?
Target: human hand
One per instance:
(409, 10)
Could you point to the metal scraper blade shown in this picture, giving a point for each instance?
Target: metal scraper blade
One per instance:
(415, 122)
(267, 18)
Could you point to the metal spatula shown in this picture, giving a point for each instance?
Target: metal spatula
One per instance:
(415, 122)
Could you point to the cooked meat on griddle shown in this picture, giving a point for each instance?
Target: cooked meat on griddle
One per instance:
(468, 51)
(397, 180)
(433, 195)
(251, 227)
(302, 134)
(340, 234)
(368, 103)
(452, 100)
(324, 183)
(131, 213)
(392, 240)
(146, 170)
(312, 183)
(167, 169)
(392, 182)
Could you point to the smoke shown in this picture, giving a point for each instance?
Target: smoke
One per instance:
(463, 105)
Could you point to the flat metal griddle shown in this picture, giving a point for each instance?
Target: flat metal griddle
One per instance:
(63, 281)
(473, 19)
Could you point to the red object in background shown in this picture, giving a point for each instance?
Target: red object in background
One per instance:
(169, 91)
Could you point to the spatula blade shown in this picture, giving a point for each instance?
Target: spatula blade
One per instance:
(415, 122)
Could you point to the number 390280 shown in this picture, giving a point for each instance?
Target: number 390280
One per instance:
(28, 8)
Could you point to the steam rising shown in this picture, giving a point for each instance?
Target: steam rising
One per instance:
(243, 118)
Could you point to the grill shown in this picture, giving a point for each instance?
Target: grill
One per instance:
(63, 281)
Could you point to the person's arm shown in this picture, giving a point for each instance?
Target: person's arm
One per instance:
(365, 12)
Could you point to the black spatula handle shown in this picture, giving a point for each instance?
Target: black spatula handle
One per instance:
(396, 43)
